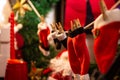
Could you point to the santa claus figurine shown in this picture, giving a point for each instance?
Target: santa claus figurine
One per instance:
(60, 67)
(43, 32)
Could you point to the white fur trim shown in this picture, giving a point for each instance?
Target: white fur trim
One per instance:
(54, 34)
(112, 16)
(42, 26)
(61, 36)
(84, 77)
(51, 78)
(50, 39)
(61, 64)
(18, 27)
(76, 76)
(45, 53)
(15, 44)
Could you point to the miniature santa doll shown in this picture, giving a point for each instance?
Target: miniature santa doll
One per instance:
(60, 67)
(106, 32)
(43, 32)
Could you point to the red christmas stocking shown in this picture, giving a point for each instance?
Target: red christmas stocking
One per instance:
(43, 37)
(44, 45)
(81, 52)
(105, 45)
(74, 62)
(78, 51)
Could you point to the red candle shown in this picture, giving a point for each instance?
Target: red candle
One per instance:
(12, 49)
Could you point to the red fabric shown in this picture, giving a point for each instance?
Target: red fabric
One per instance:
(20, 44)
(47, 70)
(74, 62)
(77, 9)
(79, 43)
(19, 39)
(58, 76)
(78, 54)
(105, 46)
(60, 53)
(16, 70)
(96, 7)
(43, 36)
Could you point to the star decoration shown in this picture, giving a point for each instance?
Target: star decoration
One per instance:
(21, 6)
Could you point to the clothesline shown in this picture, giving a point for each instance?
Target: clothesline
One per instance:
(87, 26)
(113, 7)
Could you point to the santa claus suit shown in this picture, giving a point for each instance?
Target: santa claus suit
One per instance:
(106, 34)
(78, 52)
(60, 67)
(43, 32)
(78, 9)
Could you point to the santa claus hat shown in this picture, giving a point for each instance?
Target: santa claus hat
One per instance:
(42, 25)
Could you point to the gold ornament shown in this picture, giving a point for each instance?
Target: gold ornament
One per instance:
(21, 6)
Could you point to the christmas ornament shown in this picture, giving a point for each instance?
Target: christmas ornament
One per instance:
(21, 6)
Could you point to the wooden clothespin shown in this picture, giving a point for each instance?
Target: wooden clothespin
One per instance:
(53, 27)
(74, 24)
(103, 9)
(59, 27)
(42, 19)
(72, 27)
(77, 22)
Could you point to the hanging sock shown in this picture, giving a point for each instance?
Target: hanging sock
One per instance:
(74, 62)
(81, 51)
(62, 37)
(76, 76)
(43, 32)
(106, 34)
(78, 52)
(84, 77)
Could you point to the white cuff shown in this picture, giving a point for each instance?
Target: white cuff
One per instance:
(84, 77)
(76, 76)
(61, 36)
